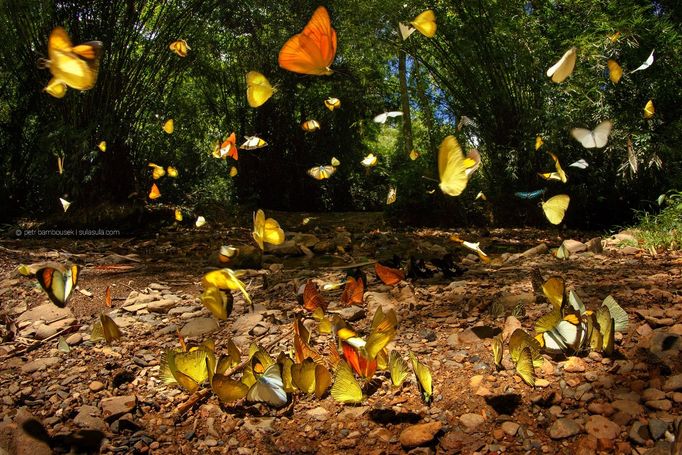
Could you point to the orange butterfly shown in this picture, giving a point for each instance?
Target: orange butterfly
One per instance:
(107, 297)
(388, 275)
(361, 364)
(312, 299)
(303, 351)
(354, 291)
(229, 147)
(312, 51)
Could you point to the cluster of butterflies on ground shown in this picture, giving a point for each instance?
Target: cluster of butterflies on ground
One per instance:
(568, 329)
(305, 369)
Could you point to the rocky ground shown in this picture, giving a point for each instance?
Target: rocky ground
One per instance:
(94, 393)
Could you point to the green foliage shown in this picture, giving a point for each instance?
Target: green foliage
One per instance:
(662, 230)
(487, 61)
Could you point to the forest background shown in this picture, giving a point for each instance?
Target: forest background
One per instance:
(487, 62)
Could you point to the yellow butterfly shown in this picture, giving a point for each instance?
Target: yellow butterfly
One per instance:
(519, 340)
(157, 171)
(310, 377)
(258, 89)
(154, 193)
(332, 103)
(60, 165)
(346, 388)
(424, 22)
(613, 38)
(178, 215)
(452, 167)
(369, 161)
(617, 313)
(414, 155)
(564, 67)
(102, 146)
(310, 125)
(538, 142)
(481, 195)
(226, 279)
(187, 369)
(105, 329)
(180, 47)
(524, 367)
(335, 162)
(218, 302)
(424, 379)
(649, 110)
(615, 71)
(266, 230)
(558, 175)
(392, 195)
(227, 389)
(169, 126)
(72, 66)
(607, 329)
(555, 208)
(172, 172)
(321, 172)
(398, 368)
(554, 289)
(497, 351)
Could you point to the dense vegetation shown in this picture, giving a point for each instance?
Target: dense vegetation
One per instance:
(487, 61)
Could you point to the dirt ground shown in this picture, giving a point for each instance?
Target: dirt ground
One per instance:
(629, 403)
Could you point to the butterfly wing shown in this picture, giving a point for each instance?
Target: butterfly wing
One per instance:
(312, 51)
(227, 389)
(269, 388)
(397, 367)
(76, 66)
(564, 67)
(647, 63)
(58, 284)
(615, 71)
(555, 208)
(425, 23)
(258, 89)
(424, 379)
(389, 275)
(524, 367)
(452, 167)
(649, 109)
(346, 388)
(617, 312)
(601, 133)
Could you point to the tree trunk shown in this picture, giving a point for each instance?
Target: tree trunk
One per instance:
(405, 100)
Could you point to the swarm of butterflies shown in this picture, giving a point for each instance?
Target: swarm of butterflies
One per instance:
(568, 329)
(307, 368)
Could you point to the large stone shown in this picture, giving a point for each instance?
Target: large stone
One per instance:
(575, 365)
(15, 439)
(89, 417)
(471, 421)
(352, 313)
(307, 240)
(595, 245)
(287, 248)
(47, 312)
(47, 330)
(40, 364)
(510, 324)
(115, 407)
(574, 246)
(673, 383)
(318, 413)
(628, 406)
(420, 434)
(246, 322)
(161, 306)
(602, 428)
(198, 327)
(564, 428)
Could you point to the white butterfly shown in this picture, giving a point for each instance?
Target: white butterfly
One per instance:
(269, 388)
(597, 138)
(65, 204)
(564, 67)
(646, 64)
(406, 30)
(381, 118)
(252, 143)
(580, 164)
(200, 221)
